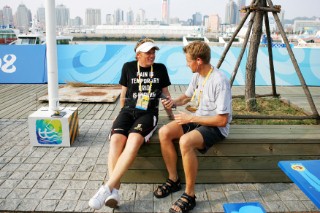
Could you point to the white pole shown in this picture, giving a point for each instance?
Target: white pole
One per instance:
(52, 64)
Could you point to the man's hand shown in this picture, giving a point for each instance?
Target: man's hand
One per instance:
(167, 102)
(183, 118)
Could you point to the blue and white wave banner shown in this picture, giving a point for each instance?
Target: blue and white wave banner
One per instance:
(22, 64)
(101, 64)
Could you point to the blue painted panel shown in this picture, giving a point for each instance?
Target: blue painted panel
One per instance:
(22, 64)
(101, 64)
(285, 73)
(249, 207)
(306, 175)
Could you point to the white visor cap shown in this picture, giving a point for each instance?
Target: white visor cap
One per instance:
(145, 47)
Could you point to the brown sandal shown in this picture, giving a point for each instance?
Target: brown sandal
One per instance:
(167, 188)
(185, 203)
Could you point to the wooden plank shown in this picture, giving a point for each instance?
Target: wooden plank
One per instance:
(209, 176)
(243, 149)
(18, 108)
(221, 163)
(85, 111)
(7, 88)
(107, 115)
(115, 111)
(17, 96)
(36, 107)
(93, 111)
(101, 111)
(22, 109)
(266, 138)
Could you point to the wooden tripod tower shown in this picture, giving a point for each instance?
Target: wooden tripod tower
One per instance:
(260, 8)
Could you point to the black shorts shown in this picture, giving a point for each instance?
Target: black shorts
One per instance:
(135, 120)
(210, 134)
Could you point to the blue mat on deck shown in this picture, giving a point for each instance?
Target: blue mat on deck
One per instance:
(249, 207)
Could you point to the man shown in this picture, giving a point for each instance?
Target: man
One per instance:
(209, 93)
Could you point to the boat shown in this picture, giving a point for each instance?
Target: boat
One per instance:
(307, 44)
(64, 39)
(194, 37)
(8, 35)
(40, 38)
(226, 38)
(37, 36)
(29, 39)
(308, 41)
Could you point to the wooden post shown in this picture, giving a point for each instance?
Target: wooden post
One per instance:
(244, 45)
(251, 66)
(273, 79)
(295, 64)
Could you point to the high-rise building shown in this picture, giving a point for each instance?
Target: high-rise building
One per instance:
(205, 21)
(22, 18)
(7, 17)
(214, 23)
(241, 4)
(197, 19)
(165, 11)
(118, 17)
(62, 15)
(109, 19)
(93, 17)
(1, 19)
(76, 22)
(130, 17)
(231, 13)
(41, 17)
(140, 17)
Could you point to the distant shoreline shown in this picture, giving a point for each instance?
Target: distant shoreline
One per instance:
(102, 38)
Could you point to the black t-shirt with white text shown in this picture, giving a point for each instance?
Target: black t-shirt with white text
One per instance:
(130, 79)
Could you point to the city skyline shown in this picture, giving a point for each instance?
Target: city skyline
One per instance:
(309, 8)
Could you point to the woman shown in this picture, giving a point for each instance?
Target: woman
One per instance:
(143, 82)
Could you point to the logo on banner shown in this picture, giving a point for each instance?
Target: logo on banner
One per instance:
(49, 131)
(6, 63)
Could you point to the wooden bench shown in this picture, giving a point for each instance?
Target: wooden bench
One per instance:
(249, 155)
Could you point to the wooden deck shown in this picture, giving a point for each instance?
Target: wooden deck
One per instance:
(18, 101)
(249, 154)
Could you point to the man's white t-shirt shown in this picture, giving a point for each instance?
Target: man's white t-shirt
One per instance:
(216, 96)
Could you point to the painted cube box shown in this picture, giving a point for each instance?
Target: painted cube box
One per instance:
(48, 130)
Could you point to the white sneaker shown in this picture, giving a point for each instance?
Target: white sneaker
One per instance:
(98, 200)
(113, 200)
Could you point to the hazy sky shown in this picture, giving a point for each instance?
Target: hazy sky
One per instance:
(179, 8)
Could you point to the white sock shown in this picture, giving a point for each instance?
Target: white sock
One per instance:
(106, 187)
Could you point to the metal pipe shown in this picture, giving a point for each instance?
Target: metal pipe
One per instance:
(51, 53)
